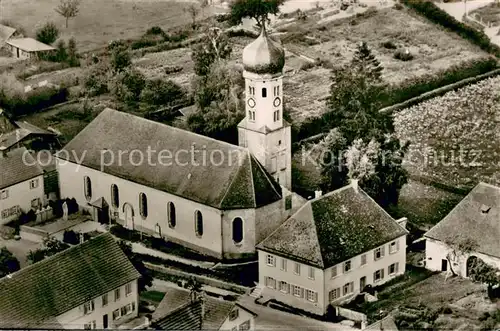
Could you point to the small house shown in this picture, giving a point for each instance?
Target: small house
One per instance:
(28, 48)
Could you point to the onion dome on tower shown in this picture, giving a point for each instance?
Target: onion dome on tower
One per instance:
(264, 55)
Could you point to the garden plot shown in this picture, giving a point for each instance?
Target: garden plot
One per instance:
(455, 138)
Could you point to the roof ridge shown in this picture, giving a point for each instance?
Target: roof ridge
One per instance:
(486, 184)
(252, 181)
(50, 258)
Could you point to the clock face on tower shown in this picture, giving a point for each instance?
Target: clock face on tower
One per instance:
(251, 102)
(277, 102)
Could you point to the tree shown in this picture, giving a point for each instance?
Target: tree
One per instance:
(367, 63)
(213, 47)
(193, 12)
(120, 60)
(160, 92)
(8, 262)
(48, 33)
(482, 272)
(50, 247)
(459, 248)
(146, 275)
(127, 86)
(96, 79)
(194, 288)
(72, 54)
(61, 53)
(256, 9)
(68, 9)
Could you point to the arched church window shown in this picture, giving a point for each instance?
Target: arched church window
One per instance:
(143, 205)
(198, 223)
(87, 188)
(237, 230)
(115, 197)
(171, 214)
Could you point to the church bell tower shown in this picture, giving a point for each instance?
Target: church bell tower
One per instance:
(263, 130)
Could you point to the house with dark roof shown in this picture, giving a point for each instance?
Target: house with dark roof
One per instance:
(28, 48)
(21, 184)
(184, 310)
(330, 250)
(88, 286)
(205, 194)
(474, 222)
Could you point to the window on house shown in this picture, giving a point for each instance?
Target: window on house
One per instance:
(117, 294)
(297, 291)
(237, 230)
(334, 294)
(288, 202)
(363, 259)
(171, 214)
(198, 223)
(334, 272)
(311, 273)
(104, 299)
(143, 205)
(251, 115)
(348, 288)
(4, 194)
(311, 296)
(87, 188)
(378, 275)
(115, 197)
(378, 253)
(33, 183)
(270, 282)
(284, 287)
(123, 311)
(35, 203)
(393, 247)
(245, 326)
(88, 307)
(283, 264)
(127, 309)
(94, 326)
(296, 268)
(347, 266)
(234, 314)
(128, 289)
(116, 314)
(393, 268)
(264, 92)
(270, 260)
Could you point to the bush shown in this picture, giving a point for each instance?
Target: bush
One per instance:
(162, 92)
(155, 30)
(438, 16)
(389, 44)
(33, 101)
(127, 86)
(71, 237)
(48, 33)
(96, 79)
(403, 55)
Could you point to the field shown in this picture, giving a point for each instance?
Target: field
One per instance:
(98, 21)
(455, 138)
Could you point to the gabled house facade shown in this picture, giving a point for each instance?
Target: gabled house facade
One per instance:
(28, 48)
(330, 250)
(183, 310)
(474, 222)
(88, 286)
(205, 194)
(21, 184)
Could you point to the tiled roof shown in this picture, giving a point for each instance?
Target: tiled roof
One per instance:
(177, 312)
(238, 182)
(333, 228)
(22, 130)
(14, 169)
(29, 45)
(476, 218)
(6, 32)
(33, 296)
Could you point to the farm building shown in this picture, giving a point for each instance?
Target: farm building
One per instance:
(6, 32)
(28, 48)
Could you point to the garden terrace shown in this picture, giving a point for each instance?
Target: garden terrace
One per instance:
(454, 138)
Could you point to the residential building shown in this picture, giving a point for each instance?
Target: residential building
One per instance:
(21, 184)
(88, 286)
(183, 310)
(7, 32)
(263, 130)
(205, 194)
(474, 222)
(28, 48)
(330, 250)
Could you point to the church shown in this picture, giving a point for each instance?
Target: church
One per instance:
(208, 195)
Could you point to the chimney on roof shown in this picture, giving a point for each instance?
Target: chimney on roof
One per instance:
(354, 184)
(317, 194)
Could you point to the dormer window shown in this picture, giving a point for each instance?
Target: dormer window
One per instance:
(485, 209)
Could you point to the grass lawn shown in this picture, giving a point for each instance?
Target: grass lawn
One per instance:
(454, 138)
(489, 14)
(98, 21)
(152, 296)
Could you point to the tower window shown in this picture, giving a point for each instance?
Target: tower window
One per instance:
(276, 91)
(251, 115)
(276, 115)
(198, 223)
(264, 92)
(251, 90)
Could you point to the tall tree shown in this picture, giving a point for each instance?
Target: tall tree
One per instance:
(213, 47)
(68, 9)
(193, 12)
(48, 33)
(50, 247)
(8, 262)
(72, 54)
(256, 9)
(367, 63)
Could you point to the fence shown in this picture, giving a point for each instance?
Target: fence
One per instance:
(352, 315)
(44, 214)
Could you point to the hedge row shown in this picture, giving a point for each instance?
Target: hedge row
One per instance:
(41, 98)
(409, 89)
(438, 16)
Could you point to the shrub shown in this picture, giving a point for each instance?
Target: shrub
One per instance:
(96, 79)
(161, 92)
(389, 44)
(71, 237)
(403, 54)
(155, 30)
(48, 33)
(31, 102)
(120, 60)
(438, 16)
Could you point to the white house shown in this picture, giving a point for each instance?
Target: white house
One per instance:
(182, 310)
(89, 286)
(28, 48)
(21, 184)
(476, 221)
(330, 249)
